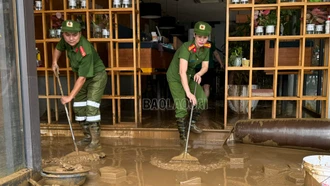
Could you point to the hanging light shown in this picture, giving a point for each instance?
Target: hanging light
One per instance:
(167, 22)
(150, 10)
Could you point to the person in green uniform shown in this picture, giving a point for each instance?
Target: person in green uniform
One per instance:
(182, 78)
(89, 87)
(208, 77)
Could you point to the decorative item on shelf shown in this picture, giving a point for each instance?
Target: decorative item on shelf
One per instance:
(150, 10)
(38, 5)
(266, 18)
(57, 20)
(244, 1)
(116, 4)
(245, 62)
(105, 33)
(96, 31)
(101, 22)
(259, 30)
(319, 29)
(82, 20)
(235, 58)
(241, 106)
(327, 25)
(58, 32)
(38, 58)
(235, 1)
(310, 28)
(72, 4)
(270, 29)
(126, 4)
(52, 33)
(315, 16)
(83, 4)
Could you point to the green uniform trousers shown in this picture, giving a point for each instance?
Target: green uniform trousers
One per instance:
(179, 97)
(87, 102)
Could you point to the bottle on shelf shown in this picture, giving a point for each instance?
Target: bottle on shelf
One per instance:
(38, 58)
(327, 25)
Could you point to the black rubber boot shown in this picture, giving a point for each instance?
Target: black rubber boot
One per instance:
(87, 135)
(181, 128)
(95, 133)
(182, 131)
(193, 127)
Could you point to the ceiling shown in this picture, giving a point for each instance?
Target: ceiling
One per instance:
(190, 11)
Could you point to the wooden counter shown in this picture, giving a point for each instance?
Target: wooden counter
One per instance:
(150, 58)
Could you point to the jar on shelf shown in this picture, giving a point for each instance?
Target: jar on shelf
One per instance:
(244, 1)
(38, 5)
(310, 28)
(126, 4)
(319, 29)
(72, 4)
(259, 30)
(58, 32)
(235, 1)
(116, 4)
(83, 4)
(105, 33)
(52, 33)
(270, 29)
(245, 62)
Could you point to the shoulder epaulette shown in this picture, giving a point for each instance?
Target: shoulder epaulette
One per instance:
(207, 45)
(191, 47)
(82, 51)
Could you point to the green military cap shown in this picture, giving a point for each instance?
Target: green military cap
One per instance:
(71, 26)
(203, 29)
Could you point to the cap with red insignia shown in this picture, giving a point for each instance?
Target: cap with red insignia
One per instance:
(70, 26)
(203, 29)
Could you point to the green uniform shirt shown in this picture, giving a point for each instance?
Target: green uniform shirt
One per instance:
(211, 61)
(193, 58)
(84, 60)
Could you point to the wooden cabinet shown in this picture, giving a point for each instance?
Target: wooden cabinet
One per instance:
(124, 27)
(299, 75)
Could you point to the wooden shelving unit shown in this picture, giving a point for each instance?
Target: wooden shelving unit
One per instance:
(276, 68)
(108, 49)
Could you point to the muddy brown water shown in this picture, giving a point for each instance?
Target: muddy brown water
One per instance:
(141, 162)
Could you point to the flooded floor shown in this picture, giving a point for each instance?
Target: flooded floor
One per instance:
(146, 162)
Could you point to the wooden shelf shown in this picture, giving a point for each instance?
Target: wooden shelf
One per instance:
(104, 46)
(279, 60)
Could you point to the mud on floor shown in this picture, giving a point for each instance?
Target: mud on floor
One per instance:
(146, 163)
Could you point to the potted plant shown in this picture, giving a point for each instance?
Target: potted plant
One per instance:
(100, 26)
(315, 16)
(267, 18)
(235, 58)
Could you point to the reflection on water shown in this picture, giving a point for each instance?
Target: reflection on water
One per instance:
(230, 165)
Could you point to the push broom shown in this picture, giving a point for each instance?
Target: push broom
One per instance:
(185, 156)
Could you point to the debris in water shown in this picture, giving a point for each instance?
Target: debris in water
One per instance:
(296, 177)
(113, 175)
(273, 169)
(196, 181)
